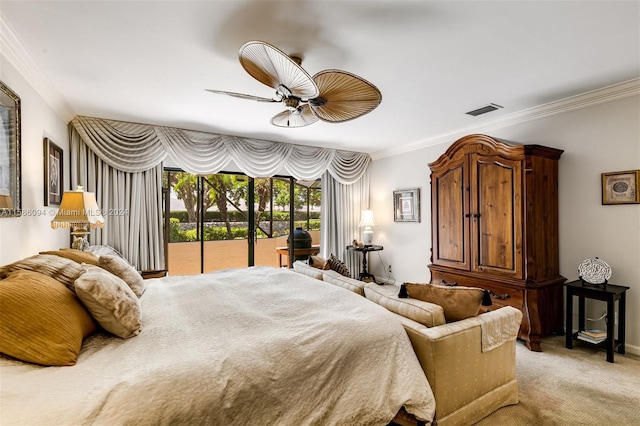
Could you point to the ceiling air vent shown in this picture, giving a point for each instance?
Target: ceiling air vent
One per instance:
(484, 109)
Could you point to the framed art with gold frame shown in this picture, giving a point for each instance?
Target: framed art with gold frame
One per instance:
(621, 187)
(10, 169)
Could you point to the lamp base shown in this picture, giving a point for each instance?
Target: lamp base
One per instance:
(367, 236)
(80, 243)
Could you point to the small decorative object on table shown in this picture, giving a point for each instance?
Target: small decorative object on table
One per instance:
(594, 272)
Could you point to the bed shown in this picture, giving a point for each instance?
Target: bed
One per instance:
(256, 345)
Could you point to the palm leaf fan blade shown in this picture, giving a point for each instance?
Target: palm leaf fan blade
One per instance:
(346, 96)
(272, 67)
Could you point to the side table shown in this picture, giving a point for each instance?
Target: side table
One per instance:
(364, 250)
(609, 293)
(313, 250)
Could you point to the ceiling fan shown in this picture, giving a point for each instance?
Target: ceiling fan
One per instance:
(331, 95)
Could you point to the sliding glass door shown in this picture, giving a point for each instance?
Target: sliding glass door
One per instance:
(230, 220)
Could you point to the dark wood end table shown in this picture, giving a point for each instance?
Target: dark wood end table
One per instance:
(609, 293)
(364, 250)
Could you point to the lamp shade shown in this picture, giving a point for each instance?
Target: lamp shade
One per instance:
(78, 209)
(367, 219)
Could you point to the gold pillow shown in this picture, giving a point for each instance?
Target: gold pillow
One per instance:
(41, 321)
(111, 302)
(458, 302)
(61, 269)
(120, 268)
(75, 255)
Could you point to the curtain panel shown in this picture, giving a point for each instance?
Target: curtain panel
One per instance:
(122, 163)
(341, 207)
(131, 204)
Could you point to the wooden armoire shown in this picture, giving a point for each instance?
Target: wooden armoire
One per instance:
(494, 220)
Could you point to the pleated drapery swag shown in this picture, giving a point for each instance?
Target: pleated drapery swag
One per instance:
(132, 147)
(122, 163)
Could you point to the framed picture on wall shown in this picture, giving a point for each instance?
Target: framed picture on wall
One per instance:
(10, 172)
(621, 187)
(53, 174)
(406, 205)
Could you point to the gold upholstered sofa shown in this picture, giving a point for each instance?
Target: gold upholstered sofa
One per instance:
(470, 364)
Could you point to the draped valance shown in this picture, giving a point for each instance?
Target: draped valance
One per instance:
(133, 147)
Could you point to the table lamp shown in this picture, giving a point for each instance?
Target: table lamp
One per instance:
(6, 202)
(366, 222)
(78, 211)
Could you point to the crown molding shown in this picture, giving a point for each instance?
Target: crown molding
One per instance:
(15, 52)
(594, 97)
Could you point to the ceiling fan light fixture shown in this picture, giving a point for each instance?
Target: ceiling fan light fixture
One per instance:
(303, 116)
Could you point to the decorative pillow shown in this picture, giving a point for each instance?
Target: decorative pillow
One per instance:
(41, 321)
(75, 255)
(106, 250)
(425, 313)
(120, 268)
(337, 265)
(458, 302)
(110, 301)
(61, 269)
(317, 262)
(335, 278)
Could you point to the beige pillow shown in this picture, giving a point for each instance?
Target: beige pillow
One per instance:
(110, 301)
(427, 314)
(78, 256)
(458, 302)
(61, 269)
(105, 249)
(120, 268)
(41, 321)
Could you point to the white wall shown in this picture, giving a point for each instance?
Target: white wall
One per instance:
(597, 139)
(27, 235)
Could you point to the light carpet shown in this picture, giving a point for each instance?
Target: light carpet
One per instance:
(560, 386)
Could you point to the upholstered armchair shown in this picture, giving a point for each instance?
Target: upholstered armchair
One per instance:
(470, 364)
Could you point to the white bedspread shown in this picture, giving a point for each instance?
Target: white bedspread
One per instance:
(258, 346)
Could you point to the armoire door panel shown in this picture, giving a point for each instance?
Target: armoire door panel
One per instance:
(450, 223)
(495, 214)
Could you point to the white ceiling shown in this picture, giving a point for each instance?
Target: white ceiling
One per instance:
(150, 61)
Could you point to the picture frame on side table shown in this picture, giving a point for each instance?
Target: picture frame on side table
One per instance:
(10, 155)
(621, 187)
(406, 205)
(53, 173)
